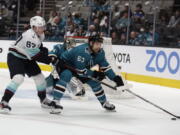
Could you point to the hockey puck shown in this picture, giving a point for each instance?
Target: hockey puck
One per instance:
(173, 118)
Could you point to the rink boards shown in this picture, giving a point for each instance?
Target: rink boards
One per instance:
(159, 66)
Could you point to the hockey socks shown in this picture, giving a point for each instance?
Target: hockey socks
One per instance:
(7, 95)
(100, 95)
(58, 91)
(42, 95)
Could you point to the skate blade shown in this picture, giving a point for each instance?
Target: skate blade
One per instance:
(52, 112)
(111, 111)
(58, 111)
(45, 107)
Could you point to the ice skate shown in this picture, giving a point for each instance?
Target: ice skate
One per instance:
(56, 108)
(109, 107)
(4, 107)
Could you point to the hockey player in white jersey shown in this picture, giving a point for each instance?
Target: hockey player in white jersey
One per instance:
(21, 60)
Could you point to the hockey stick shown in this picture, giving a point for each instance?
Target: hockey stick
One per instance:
(147, 101)
(136, 95)
(129, 91)
(94, 79)
(54, 66)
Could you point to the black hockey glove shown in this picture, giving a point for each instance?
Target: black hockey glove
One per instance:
(98, 75)
(118, 80)
(44, 50)
(42, 56)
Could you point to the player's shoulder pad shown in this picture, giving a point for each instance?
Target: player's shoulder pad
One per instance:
(83, 48)
(102, 52)
(29, 34)
(80, 47)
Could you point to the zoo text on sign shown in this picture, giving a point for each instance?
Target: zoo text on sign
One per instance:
(160, 61)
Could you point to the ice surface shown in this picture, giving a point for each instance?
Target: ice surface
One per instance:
(86, 117)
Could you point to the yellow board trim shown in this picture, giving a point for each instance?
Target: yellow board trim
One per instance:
(3, 65)
(152, 80)
(43, 67)
(128, 76)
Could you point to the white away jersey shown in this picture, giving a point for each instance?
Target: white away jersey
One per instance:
(28, 45)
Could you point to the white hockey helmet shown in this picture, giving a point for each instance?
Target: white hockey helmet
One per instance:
(37, 21)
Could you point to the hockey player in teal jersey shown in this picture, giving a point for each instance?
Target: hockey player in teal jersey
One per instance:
(75, 86)
(60, 48)
(57, 50)
(81, 59)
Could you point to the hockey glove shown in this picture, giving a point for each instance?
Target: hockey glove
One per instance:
(98, 75)
(42, 56)
(44, 50)
(118, 80)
